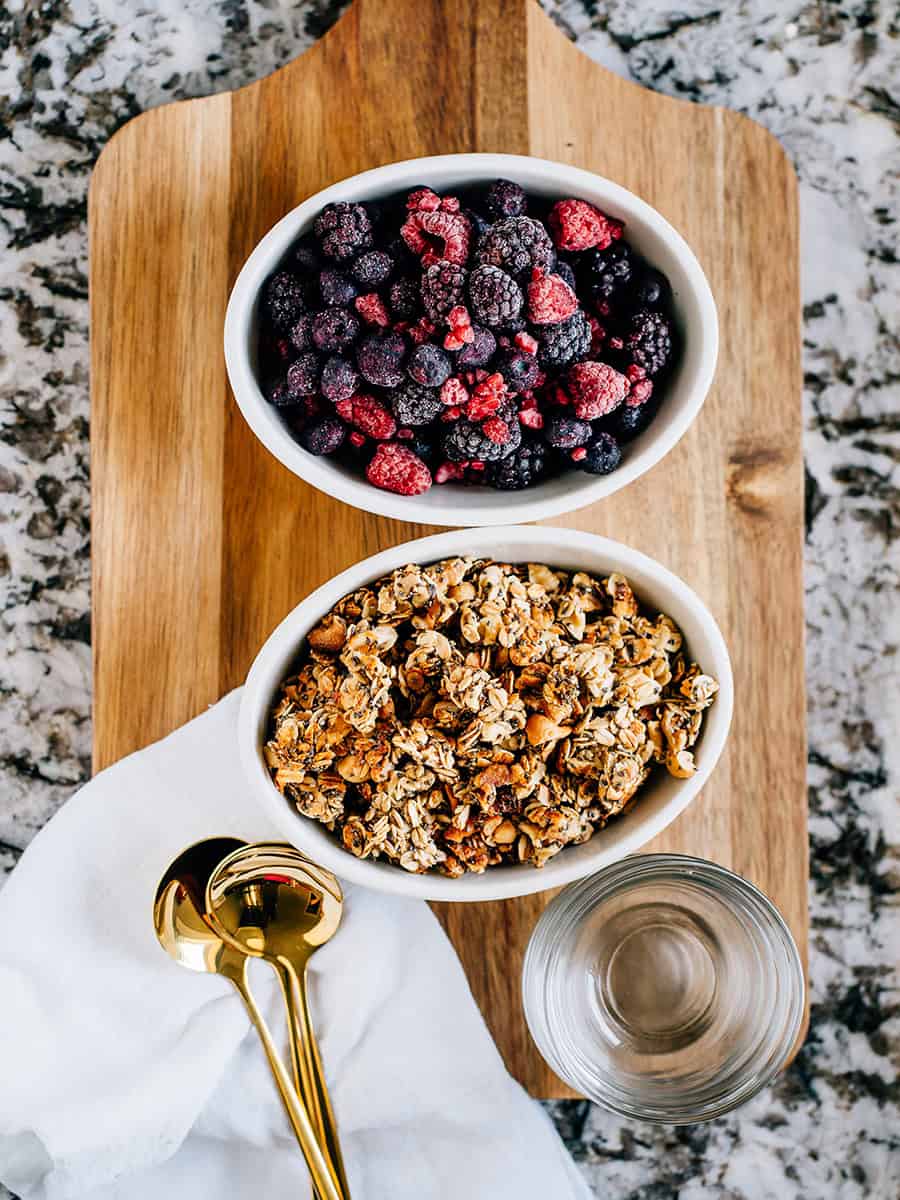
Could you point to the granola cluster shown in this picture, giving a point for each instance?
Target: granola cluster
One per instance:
(470, 713)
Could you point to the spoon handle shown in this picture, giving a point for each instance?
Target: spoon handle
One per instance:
(319, 1169)
(307, 1064)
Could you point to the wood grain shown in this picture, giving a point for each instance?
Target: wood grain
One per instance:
(202, 541)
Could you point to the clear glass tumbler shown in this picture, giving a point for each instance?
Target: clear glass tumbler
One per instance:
(665, 988)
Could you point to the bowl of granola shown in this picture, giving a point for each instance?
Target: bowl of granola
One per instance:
(471, 339)
(486, 713)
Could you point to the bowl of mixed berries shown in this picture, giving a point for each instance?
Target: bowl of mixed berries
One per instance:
(471, 339)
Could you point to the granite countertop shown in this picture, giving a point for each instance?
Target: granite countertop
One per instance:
(823, 77)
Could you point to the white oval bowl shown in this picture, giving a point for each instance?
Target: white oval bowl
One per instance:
(454, 503)
(661, 799)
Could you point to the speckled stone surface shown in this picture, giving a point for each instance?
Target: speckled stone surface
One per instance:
(824, 77)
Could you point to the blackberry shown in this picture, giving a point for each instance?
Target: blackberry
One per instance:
(566, 274)
(334, 328)
(428, 365)
(283, 301)
(414, 404)
(495, 297)
(423, 447)
(649, 289)
(465, 440)
(648, 341)
(519, 370)
(565, 433)
(477, 353)
(607, 272)
(303, 375)
(380, 359)
(403, 299)
(324, 437)
(343, 230)
(505, 199)
(518, 245)
(442, 287)
(603, 455)
(305, 255)
(629, 420)
(336, 287)
(522, 468)
(301, 333)
(372, 269)
(279, 394)
(339, 379)
(566, 342)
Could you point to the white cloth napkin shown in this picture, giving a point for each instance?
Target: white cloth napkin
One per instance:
(126, 1077)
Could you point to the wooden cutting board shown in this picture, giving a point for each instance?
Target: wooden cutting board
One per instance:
(202, 541)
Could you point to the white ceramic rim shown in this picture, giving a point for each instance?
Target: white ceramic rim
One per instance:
(554, 497)
(622, 837)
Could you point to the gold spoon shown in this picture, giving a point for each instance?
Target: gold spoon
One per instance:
(184, 931)
(274, 903)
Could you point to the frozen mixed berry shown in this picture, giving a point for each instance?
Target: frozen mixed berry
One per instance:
(301, 332)
(519, 370)
(518, 245)
(565, 433)
(334, 328)
(336, 287)
(415, 405)
(596, 389)
(648, 341)
(372, 269)
(403, 298)
(339, 379)
(577, 225)
(488, 395)
(495, 299)
(371, 308)
(564, 343)
(465, 440)
(566, 274)
(437, 234)
(423, 447)
(523, 467)
(303, 375)
(305, 255)
(283, 301)
(608, 272)
(602, 457)
(323, 437)
(368, 415)
(479, 227)
(629, 420)
(505, 199)
(481, 349)
(344, 230)
(550, 299)
(429, 365)
(380, 358)
(460, 332)
(278, 393)
(397, 469)
(443, 286)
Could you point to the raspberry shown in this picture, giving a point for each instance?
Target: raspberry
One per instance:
(448, 470)
(282, 301)
(355, 439)
(403, 298)
(461, 330)
(603, 455)
(577, 225)
(424, 199)
(487, 397)
(649, 341)
(519, 370)
(416, 405)
(336, 287)
(334, 328)
(465, 440)
(550, 299)
(324, 437)
(640, 393)
(380, 359)
(520, 469)
(565, 433)
(428, 365)
(505, 199)
(518, 245)
(303, 375)
(497, 430)
(422, 330)
(343, 230)
(437, 235)
(531, 418)
(526, 342)
(443, 284)
(396, 469)
(372, 269)
(339, 379)
(596, 389)
(480, 350)
(495, 297)
(371, 308)
(368, 415)
(565, 342)
(454, 392)
(607, 272)
(301, 333)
